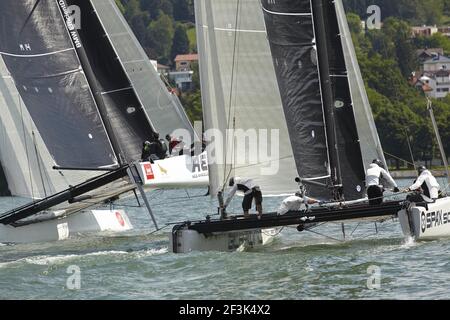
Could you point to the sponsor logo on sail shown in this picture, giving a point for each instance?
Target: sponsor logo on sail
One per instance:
(434, 219)
(72, 17)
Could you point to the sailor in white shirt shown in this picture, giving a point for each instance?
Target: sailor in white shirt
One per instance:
(374, 177)
(294, 203)
(250, 190)
(428, 186)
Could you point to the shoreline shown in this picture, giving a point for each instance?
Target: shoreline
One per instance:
(409, 174)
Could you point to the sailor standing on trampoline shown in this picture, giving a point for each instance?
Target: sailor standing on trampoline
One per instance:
(374, 177)
(251, 191)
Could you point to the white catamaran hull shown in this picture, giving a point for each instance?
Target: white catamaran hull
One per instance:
(62, 228)
(427, 223)
(184, 241)
(176, 172)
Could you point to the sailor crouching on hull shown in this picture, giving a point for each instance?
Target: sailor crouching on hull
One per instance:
(294, 203)
(426, 185)
(374, 175)
(251, 191)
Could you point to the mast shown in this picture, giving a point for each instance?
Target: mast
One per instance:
(327, 96)
(82, 56)
(438, 137)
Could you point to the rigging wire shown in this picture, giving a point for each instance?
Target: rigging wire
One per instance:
(230, 107)
(395, 157)
(409, 147)
(26, 147)
(38, 160)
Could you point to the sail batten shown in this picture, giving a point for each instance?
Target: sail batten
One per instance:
(291, 36)
(292, 43)
(51, 84)
(127, 124)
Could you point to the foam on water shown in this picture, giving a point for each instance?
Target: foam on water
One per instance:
(295, 266)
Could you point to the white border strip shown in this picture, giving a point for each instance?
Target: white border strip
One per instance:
(117, 90)
(287, 13)
(318, 178)
(34, 55)
(235, 30)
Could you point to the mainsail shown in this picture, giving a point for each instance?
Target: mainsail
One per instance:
(369, 140)
(312, 50)
(80, 108)
(163, 107)
(239, 91)
(52, 85)
(125, 113)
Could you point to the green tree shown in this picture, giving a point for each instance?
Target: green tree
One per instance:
(354, 23)
(161, 33)
(120, 6)
(183, 10)
(192, 101)
(157, 7)
(180, 43)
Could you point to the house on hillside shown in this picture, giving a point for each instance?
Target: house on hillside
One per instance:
(183, 73)
(445, 31)
(437, 63)
(428, 53)
(435, 85)
(183, 62)
(424, 31)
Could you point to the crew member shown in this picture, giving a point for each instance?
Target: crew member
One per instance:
(294, 203)
(155, 150)
(251, 191)
(173, 142)
(145, 155)
(426, 185)
(374, 177)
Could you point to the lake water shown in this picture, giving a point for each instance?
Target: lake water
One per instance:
(139, 265)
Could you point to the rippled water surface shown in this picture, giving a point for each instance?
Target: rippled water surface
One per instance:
(139, 265)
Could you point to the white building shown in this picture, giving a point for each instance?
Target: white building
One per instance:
(436, 85)
(437, 63)
(442, 84)
(183, 79)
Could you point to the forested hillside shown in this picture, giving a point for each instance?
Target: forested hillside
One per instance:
(387, 57)
(416, 12)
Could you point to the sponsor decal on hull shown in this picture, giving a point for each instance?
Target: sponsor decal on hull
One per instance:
(148, 171)
(430, 220)
(199, 166)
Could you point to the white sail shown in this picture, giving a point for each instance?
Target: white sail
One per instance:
(163, 108)
(26, 161)
(239, 90)
(370, 142)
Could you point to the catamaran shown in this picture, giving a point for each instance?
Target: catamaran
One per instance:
(76, 106)
(291, 66)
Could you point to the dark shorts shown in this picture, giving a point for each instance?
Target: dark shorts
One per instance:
(248, 199)
(375, 194)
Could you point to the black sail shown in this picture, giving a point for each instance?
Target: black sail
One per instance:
(41, 59)
(312, 78)
(125, 113)
(348, 144)
(290, 32)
